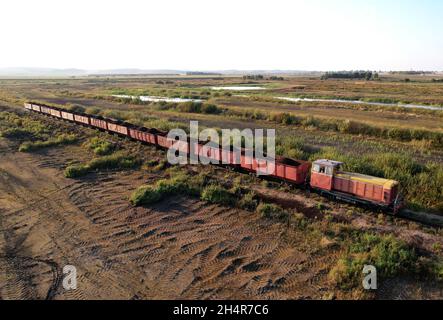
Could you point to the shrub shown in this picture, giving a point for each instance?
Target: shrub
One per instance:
(145, 195)
(75, 171)
(389, 255)
(248, 202)
(210, 109)
(94, 110)
(217, 194)
(13, 126)
(62, 139)
(272, 211)
(191, 107)
(437, 269)
(179, 183)
(118, 160)
(76, 108)
(400, 134)
(100, 147)
(115, 161)
(116, 114)
(15, 133)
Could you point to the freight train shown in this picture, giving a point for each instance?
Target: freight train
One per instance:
(322, 176)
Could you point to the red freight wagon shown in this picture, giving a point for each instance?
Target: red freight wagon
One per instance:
(247, 159)
(36, 107)
(182, 146)
(55, 113)
(151, 134)
(67, 115)
(81, 119)
(295, 171)
(207, 151)
(114, 126)
(142, 134)
(265, 166)
(45, 109)
(326, 175)
(98, 123)
(163, 141)
(137, 134)
(229, 156)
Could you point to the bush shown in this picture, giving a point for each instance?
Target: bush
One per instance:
(94, 110)
(272, 211)
(210, 109)
(179, 183)
(389, 255)
(400, 134)
(62, 139)
(13, 126)
(114, 161)
(75, 171)
(217, 194)
(100, 147)
(248, 202)
(191, 107)
(145, 195)
(15, 133)
(76, 108)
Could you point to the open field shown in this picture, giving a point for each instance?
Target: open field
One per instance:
(254, 239)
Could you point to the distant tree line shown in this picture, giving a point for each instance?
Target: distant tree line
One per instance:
(367, 75)
(253, 77)
(412, 73)
(260, 77)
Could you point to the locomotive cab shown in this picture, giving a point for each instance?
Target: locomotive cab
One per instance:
(326, 175)
(322, 173)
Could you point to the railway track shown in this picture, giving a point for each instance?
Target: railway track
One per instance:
(421, 217)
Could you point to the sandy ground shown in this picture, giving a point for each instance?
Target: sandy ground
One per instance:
(180, 248)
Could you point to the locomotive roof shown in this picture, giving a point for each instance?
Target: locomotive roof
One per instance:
(328, 162)
(386, 183)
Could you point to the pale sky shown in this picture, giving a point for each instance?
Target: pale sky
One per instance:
(216, 35)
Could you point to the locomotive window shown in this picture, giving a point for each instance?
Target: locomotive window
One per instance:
(329, 171)
(386, 196)
(322, 169)
(316, 168)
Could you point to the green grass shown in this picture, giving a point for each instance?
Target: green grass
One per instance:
(119, 160)
(248, 201)
(201, 185)
(179, 183)
(390, 256)
(74, 171)
(100, 146)
(359, 128)
(14, 126)
(272, 211)
(63, 139)
(217, 194)
(76, 108)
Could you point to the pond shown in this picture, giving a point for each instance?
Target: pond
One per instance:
(384, 104)
(238, 88)
(156, 98)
